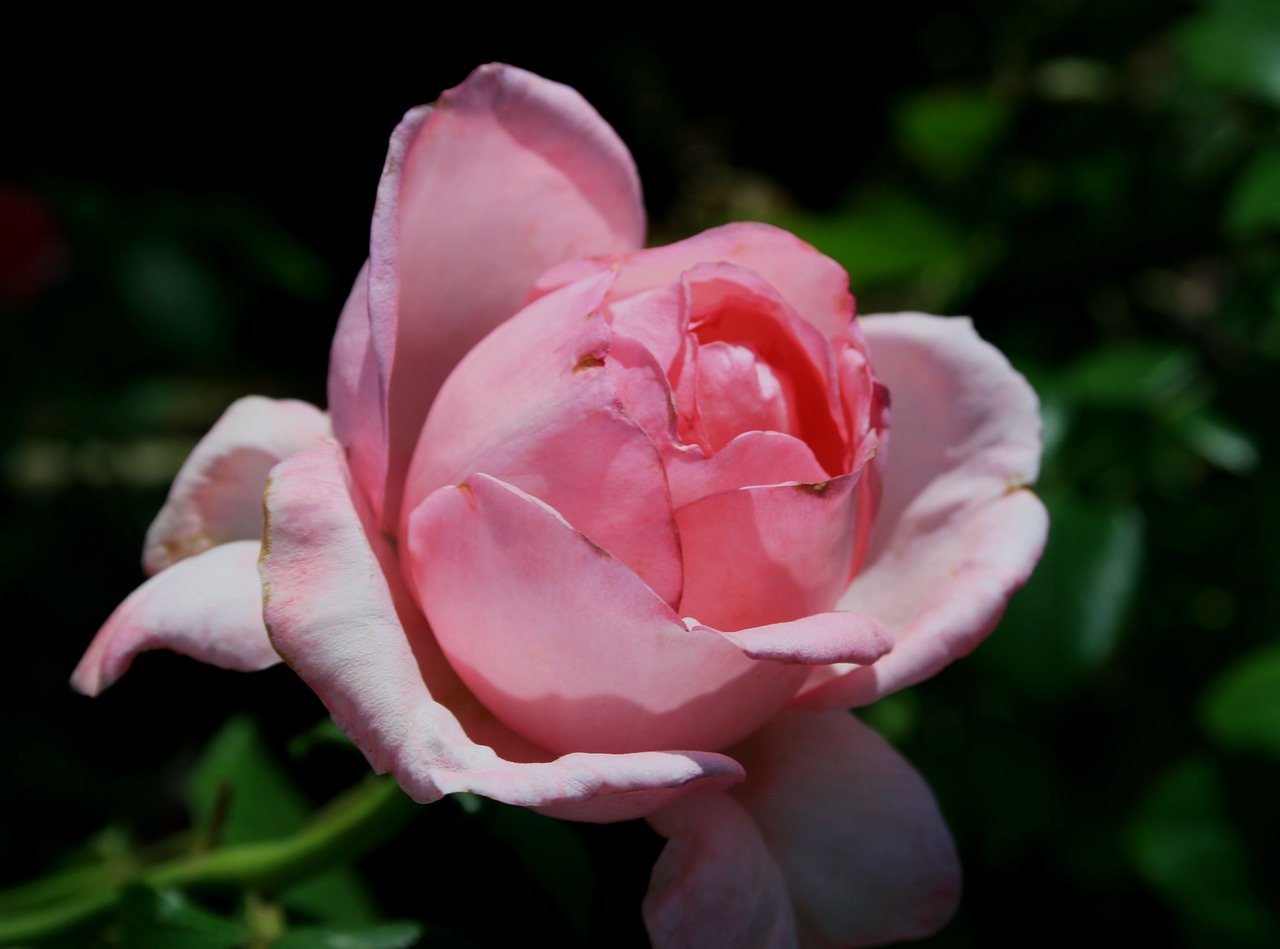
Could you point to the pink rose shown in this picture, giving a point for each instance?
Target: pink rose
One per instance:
(616, 533)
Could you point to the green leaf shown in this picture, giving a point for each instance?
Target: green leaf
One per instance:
(1186, 849)
(239, 794)
(401, 935)
(167, 919)
(1254, 204)
(1069, 617)
(1131, 376)
(949, 132)
(1235, 45)
(1241, 708)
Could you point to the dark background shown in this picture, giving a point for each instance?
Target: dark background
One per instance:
(1097, 184)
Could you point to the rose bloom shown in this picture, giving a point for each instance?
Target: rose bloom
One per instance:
(612, 532)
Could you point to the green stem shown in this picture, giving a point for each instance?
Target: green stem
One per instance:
(352, 824)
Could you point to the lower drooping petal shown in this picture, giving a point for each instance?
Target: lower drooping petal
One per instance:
(715, 883)
(208, 607)
(856, 831)
(217, 495)
(340, 615)
(957, 532)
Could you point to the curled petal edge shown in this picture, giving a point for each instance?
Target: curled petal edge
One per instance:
(339, 614)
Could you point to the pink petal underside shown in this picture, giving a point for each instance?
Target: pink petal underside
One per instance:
(535, 404)
(208, 607)
(854, 828)
(340, 615)
(957, 532)
(506, 175)
(814, 284)
(758, 556)
(715, 883)
(568, 646)
(217, 495)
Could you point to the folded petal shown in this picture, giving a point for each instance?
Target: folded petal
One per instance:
(814, 284)
(340, 615)
(816, 640)
(506, 175)
(548, 417)
(764, 555)
(865, 853)
(208, 607)
(567, 645)
(957, 532)
(715, 883)
(217, 494)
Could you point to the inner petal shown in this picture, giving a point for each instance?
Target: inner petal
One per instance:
(738, 392)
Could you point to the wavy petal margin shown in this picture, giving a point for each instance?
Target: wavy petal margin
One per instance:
(957, 532)
(339, 614)
(507, 174)
(217, 494)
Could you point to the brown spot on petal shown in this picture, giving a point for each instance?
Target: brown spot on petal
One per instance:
(817, 490)
(589, 361)
(266, 525)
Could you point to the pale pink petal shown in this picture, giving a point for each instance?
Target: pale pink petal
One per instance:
(817, 639)
(815, 285)
(507, 174)
(208, 607)
(217, 494)
(758, 556)
(355, 394)
(655, 318)
(957, 532)
(715, 883)
(854, 828)
(549, 418)
(340, 615)
(567, 645)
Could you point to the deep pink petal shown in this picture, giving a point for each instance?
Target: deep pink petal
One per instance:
(566, 644)
(715, 883)
(535, 404)
(753, 458)
(856, 831)
(957, 532)
(340, 615)
(217, 495)
(208, 607)
(506, 175)
(758, 556)
(815, 285)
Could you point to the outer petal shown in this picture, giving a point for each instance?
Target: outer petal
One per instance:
(814, 284)
(339, 614)
(508, 174)
(208, 607)
(567, 645)
(957, 532)
(217, 495)
(715, 884)
(856, 831)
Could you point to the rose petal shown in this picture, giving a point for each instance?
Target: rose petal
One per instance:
(564, 643)
(508, 174)
(816, 640)
(751, 459)
(864, 851)
(217, 494)
(715, 883)
(340, 615)
(758, 556)
(814, 284)
(208, 607)
(517, 408)
(957, 533)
